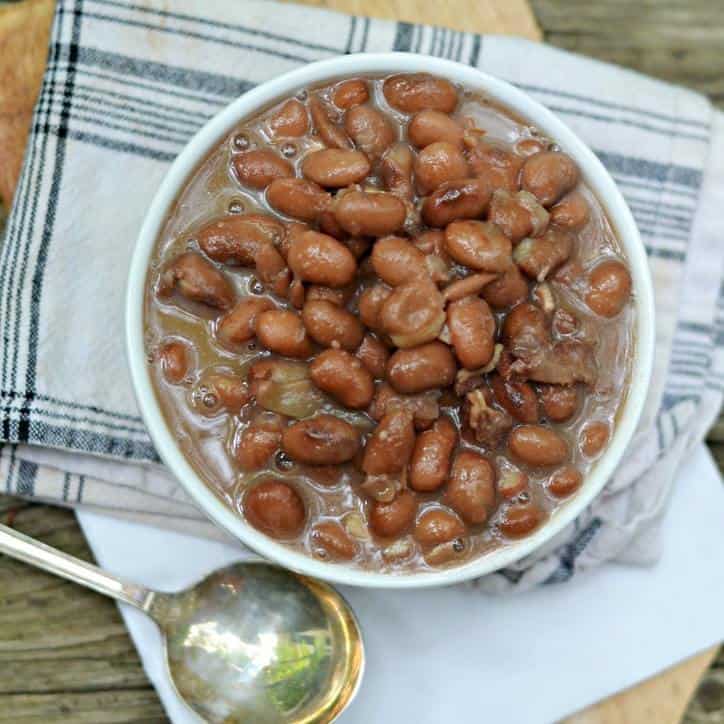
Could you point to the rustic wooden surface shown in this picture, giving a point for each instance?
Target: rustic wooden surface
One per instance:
(64, 652)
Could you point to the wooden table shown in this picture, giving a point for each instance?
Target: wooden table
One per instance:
(64, 652)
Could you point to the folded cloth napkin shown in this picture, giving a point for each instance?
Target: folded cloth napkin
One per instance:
(127, 85)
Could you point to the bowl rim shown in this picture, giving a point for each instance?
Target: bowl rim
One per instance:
(509, 97)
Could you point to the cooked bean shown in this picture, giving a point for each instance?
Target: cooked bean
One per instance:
(362, 213)
(395, 260)
(282, 331)
(520, 520)
(470, 491)
(222, 390)
(437, 164)
(421, 368)
(507, 290)
(564, 323)
(321, 440)
(413, 313)
(423, 407)
(438, 525)
(331, 325)
(289, 120)
(370, 130)
(342, 375)
(549, 176)
(498, 166)
(525, 325)
(331, 134)
(537, 446)
(237, 327)
(349, 93)
(334, 541)
(339, 295)
(530, 146)
(335, 167)
(296, 294)
(275, 508)
(517, 397)
(428, 127)
(373, 355)
(370, 305)
(511, 482)
(432, 455)
(539, 256)
(594, 437)
(390, 445)
(272, 270)
(413, 92)
(564, 482)
(321, 259)
(478, 245)
(258, 168)
(396, 170)
(390, 520)
(298, 198)
(461, 199)
(174, 358)
(255, 446)
(472, 331)
(284, 387)
(609, 288)
(237, 239)
(198, 280)
(518, 215)
(559, 403)
(571, 212)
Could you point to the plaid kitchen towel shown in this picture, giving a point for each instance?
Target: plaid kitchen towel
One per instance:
(127, 85)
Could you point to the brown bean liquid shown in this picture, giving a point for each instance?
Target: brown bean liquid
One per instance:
(210, 422)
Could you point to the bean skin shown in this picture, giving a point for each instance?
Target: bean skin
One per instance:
(335, 167)
(390, 520)
(517, 397)
(275, 508)
(571, 212)
(549, 176)
(370, 305)
(258, 168)
(342, 375)
(282, 331)
(421, 368)
(174, 358)
(290, 120)
(298, 198)
(350, 93)
(424, 407)
(197, 280)
(564, 482)
(609, 288)
(373, 355)
(470, 491)
(438, 525)
(472, 331)
(432, 455)
(520, 520)
(413, 313)
(537, 446)
(321, 259)
(395, 260)
(507, 290)
(390, 445)
(517, 215)
(429, 126)
(361, 213)
(330, 133)
(321, 440)
(370, 130)
(468, 286)
(559, 403)
(594, 437)
(414, 92)
(479, 245)
(539, 256)
(331, 325)
(333, 539)
(237, 327)
(461, 199)
(438, 163)
(396, 170)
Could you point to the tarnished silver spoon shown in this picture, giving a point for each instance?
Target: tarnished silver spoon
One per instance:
(249, 643)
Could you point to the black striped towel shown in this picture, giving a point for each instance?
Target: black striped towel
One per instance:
(127, 85)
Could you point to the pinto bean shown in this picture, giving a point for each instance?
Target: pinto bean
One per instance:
(333, 540)
(237, 239)
(331, 134)
(594, 437)
(342, 375)
(396, 170)
(335, 167)
(517, 215)
(272, 270)
(237, 326)
(537, 446)
(298, 198)
(438, 163)
(321, 259)
(517, 397)
(370, 130)
(525, 325)
(197, 280)
(429, 126)
(500, 167)
(414, 92)
(390, 445)
(330, 325)
(472, 331)
(470, 491)
(349, 93)
(174, 358)
(289, 120)
(460, 199)
(362, 213)
(478, 245)
(282, 331)
(258, 168)
(571, 212)
(390, 520)
(275, 508)
(257, 443)
(373, 355)
(370, 305)
(413, 313)
(564, 482)
(339, 295)
(217, 391)
(559, 403)
(421, 368)
(549, 176)
(423, 407)
(395, 260)
(432, 455)
(507, 290)
(609, 288)
(511, 482)
(520, 520)
(437, 525)
(468, 286)
(539, 256)
(321, 440)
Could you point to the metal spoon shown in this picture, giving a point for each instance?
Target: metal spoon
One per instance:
(250, 643)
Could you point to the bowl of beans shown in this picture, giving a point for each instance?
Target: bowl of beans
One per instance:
(389, 321)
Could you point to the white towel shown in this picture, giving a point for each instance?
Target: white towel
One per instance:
(127, 85)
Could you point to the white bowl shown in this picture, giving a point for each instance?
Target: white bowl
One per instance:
(595, 176)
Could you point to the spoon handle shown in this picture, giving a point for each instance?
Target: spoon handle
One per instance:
(17, 545)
